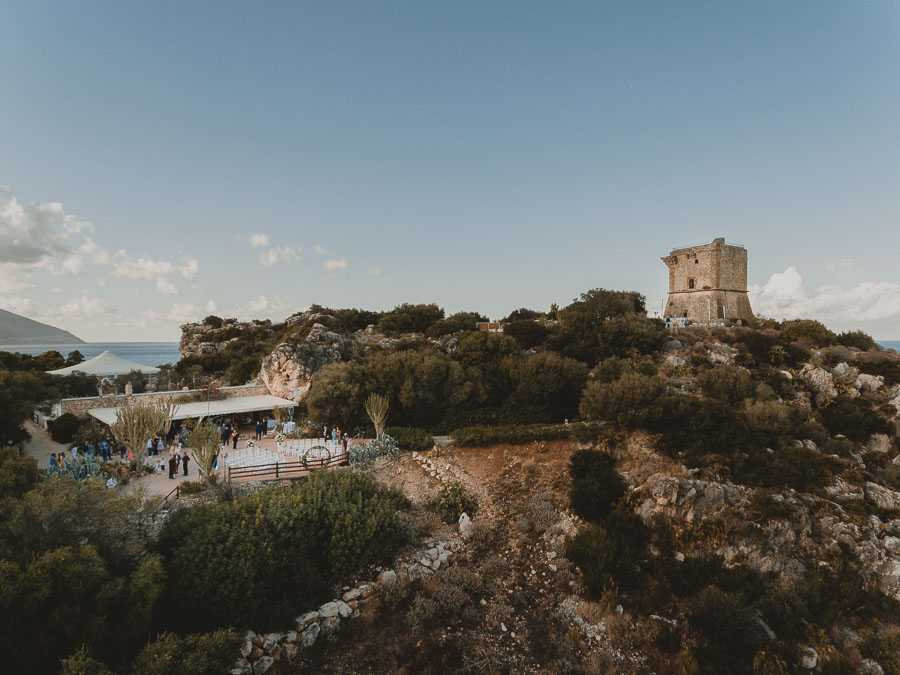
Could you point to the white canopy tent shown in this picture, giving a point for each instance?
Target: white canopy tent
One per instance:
(228, 406)
(106, 364)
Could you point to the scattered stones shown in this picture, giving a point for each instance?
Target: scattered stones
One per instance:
(263, 665)
(329, 610)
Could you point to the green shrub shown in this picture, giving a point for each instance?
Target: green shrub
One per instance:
(609, 557)
(727, 383)
(527, 333)
(727, 627)
(411, 438)
(213, 320)
(82, 663)
(854, 418)
(807, 330)
(258, 560)
(193, 654)
(191, 487)
(64, 427)
(769, 422)
(514, 435)
(18, 474)
(452, 501)
(888, 369)
(631, 401)
(630, 334)
(856, 338)
(596, 485)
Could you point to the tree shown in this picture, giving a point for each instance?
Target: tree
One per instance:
(546, 387)
(20, 394)
(455, 323)
(137, 424)
(630, 401)
(407, 318)
(135, 378)
(204, 439)
(377, 410)
(74, 358)
(17, 474)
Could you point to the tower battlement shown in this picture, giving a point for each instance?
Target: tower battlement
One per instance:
(708, 282)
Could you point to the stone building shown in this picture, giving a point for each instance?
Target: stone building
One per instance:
(708, 282)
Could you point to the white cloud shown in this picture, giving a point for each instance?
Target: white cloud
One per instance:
(31, 234)
(19, 305)
(785, 296)
(318, 249)
(97, 254)
(101, 282)
(182, 312)
(81, 308)
(211, 306)
(10, 281)
(375, 272)
(259, 240)
(260, 308)
(273, 256)
(72, 264)
(166, 287)
(162, 272)
(844, 264)
(334, 264)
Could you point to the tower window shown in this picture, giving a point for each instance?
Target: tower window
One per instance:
(696, 261)
(690, 283)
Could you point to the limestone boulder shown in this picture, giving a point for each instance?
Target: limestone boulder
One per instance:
(881, 497)
(820, 381)
(287, 371)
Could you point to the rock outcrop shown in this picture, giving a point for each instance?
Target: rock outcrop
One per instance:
(288, 369)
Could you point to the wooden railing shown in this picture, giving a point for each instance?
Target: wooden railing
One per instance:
(283, 470)
(173, 495)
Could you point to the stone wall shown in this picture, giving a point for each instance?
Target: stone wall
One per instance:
(80, 406)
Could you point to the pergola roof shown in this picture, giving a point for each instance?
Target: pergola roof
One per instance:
(105, 364)
(228, 406)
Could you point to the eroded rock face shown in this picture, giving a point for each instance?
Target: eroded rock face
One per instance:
(287, 371)
(790, 543)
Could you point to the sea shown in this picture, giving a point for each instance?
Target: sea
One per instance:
(889, 344)
(146, 353)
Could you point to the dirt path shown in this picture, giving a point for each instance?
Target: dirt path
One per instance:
(41, 445)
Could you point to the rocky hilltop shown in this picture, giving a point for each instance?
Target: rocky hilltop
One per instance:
(290, 353)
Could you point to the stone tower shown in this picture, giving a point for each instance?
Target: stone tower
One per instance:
(708, 282)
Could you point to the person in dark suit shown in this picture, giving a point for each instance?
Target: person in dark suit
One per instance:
(173, 464)
(184, 462)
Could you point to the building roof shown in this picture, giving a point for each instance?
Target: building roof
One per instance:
(228, 406)
(105, 364)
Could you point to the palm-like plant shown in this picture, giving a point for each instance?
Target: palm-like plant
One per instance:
(377, 409)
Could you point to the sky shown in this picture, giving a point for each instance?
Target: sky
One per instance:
(162, 161)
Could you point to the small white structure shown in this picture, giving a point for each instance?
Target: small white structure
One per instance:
(105, 365)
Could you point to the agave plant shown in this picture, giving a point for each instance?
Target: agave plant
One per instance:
(83, 467)
(368, 452)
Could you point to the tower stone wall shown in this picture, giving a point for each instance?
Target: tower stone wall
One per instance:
(708, 282)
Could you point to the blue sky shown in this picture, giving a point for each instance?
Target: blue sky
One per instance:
(482, 155)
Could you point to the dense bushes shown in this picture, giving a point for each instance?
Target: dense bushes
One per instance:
(727, 383)
(411, 438)
(854, 418)
(71, 574)
(856, 338)
(515, 435)
(192, 654)
(630, 401)
(63, 428)
(807, 330)
(258, 560)
(596, 485)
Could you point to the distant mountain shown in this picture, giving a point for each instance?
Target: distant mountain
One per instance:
(17, 330)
